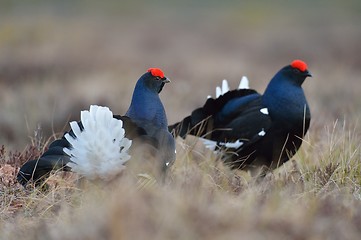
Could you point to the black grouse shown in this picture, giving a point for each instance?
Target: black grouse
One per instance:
(101, 143)
(251, 129)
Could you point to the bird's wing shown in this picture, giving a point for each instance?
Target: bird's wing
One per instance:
(145, 133)
(135, 132)
(241, 124)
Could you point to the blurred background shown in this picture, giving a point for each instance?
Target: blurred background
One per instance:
(58, 57)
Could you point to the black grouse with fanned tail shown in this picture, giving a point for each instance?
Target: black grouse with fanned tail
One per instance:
(251, 129)
(101, 143)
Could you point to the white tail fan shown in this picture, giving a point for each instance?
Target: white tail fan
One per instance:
(225, 87)
(218, 91)
(222, 90)
(100, 149)
(244, 83)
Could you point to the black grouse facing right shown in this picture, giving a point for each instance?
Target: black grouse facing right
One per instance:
(251, 129)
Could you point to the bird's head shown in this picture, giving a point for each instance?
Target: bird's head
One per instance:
(297, 72)
(154, 79)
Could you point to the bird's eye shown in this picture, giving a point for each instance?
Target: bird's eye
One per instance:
(157, 78)
(296, 70)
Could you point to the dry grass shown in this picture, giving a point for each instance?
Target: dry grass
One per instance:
(54, 63)
(315, 196)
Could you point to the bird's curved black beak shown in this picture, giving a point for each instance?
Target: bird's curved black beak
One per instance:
(307, 73)
(166, 80)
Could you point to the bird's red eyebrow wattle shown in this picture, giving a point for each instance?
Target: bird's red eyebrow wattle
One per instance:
(156, 72)
(300, 65)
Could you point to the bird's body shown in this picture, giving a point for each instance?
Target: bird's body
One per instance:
(254, 130)
(101, 143)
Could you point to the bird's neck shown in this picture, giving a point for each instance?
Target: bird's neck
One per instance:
(146, 106)
(286, 102)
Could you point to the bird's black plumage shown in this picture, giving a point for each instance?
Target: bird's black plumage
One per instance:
(145, 123)
(255, 130)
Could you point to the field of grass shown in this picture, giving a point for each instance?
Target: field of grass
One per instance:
(58, 58)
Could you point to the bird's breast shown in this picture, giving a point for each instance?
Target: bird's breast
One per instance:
(289, 111)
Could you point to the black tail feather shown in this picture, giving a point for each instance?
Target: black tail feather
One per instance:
(39, 169)
(195, 124)
(181, 128)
